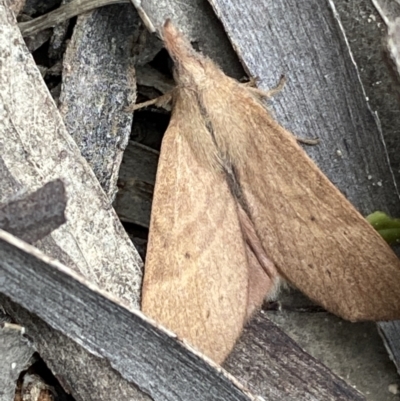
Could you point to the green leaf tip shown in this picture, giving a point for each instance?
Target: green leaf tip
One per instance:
(386, 226)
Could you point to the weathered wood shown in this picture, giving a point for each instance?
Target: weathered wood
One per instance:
(57, 42)
(353, 351)
(16, 5)
(146, 355)
(32, 387)
(393, 44)
(81, 373)
(16, 353)
(389, 11)
(36, 215)
(390, 332)
(139, 164)
(136, 184)
(38, 7)
(98, 85)
(34, 42)
(148, 76)
(36, 148)
(93, 237)
(297, 375)
(367, 36)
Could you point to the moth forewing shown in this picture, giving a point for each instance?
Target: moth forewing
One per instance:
(315, 237)
(196, 274)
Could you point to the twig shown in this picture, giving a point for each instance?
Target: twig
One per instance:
(63, 13)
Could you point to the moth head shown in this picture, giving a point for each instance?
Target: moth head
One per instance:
(189, 66)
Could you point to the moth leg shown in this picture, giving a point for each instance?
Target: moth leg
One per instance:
(161, 101)
(269, 94)
(251, 86)
(251, 83)
(274, 91)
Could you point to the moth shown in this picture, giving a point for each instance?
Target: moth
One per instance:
(238, 207)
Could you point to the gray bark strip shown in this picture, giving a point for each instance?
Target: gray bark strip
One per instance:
(136, 184)
(16, 353)
(390, 332)
(84, 375)
(98, 85)
(279, 369)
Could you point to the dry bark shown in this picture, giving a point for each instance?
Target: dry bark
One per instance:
(16, 353)
(98, 85)
(36, 148)
(136, 184)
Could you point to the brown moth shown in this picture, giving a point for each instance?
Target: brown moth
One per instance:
(234, 191)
